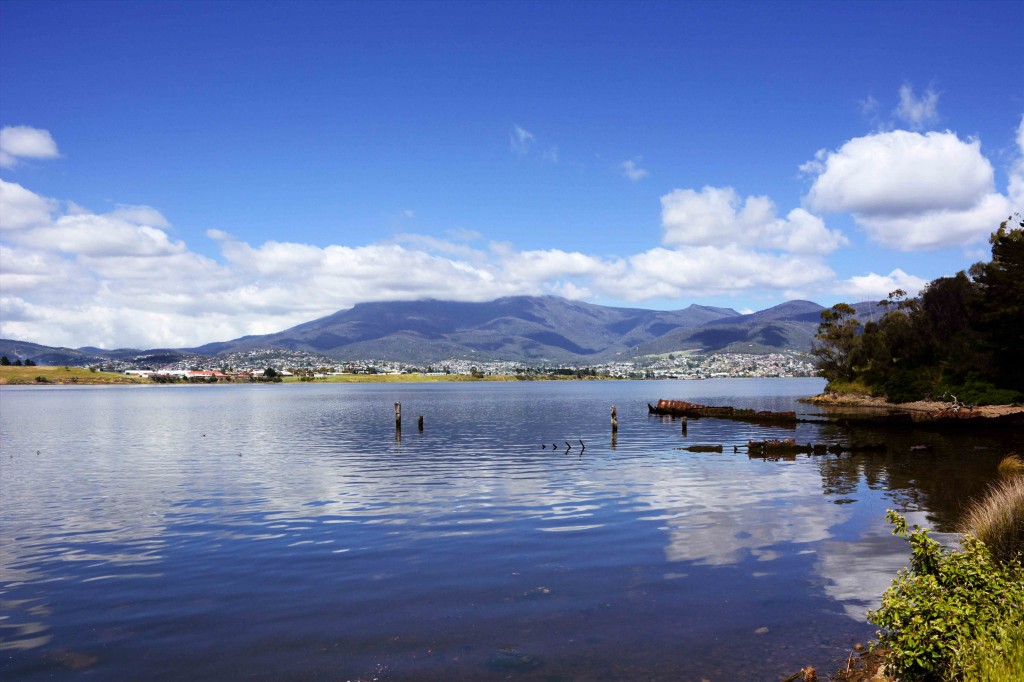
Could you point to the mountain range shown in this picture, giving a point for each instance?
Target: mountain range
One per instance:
(529, 329)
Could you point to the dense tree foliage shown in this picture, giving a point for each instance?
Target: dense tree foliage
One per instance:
(839, 342)
(1001, 287)
(962, 336)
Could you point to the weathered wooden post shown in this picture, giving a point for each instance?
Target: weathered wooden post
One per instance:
(398, 416)
(615, 427)
(683, 419)
(419, 423)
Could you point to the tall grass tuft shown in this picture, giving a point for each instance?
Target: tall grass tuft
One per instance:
(1011, 465)
(998, 519)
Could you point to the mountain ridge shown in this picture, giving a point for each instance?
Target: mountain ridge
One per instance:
(527, 329)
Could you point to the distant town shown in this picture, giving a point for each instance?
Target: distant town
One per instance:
(311, 366)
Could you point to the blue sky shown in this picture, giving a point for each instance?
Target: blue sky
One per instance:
(176, 173)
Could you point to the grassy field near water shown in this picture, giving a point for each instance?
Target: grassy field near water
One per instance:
(43, 375)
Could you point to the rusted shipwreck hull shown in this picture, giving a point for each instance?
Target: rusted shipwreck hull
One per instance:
(681, 408)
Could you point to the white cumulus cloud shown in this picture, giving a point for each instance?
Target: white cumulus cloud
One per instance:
(711, 271)
(909, 190)
(874, 286)
(21, 208)
(531, 267)
(104, 236)
(717, 215)
(24, 142)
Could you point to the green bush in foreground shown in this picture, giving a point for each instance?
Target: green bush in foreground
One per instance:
(941, 610)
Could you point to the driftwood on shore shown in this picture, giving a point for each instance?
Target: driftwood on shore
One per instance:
(681, 408)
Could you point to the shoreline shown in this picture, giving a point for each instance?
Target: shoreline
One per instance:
(79, 376)
(920, 410)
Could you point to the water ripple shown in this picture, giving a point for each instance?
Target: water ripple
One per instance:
(141, 528)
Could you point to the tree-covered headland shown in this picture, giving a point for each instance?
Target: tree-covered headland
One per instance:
(962, 336)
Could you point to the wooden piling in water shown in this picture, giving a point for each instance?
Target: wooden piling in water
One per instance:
(419, 423)
(615, 421)
(398, 416)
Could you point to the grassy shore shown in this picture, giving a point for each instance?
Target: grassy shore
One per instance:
(45, 375)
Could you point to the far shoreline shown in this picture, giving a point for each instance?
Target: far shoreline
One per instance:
(59, 376)
(51, 375)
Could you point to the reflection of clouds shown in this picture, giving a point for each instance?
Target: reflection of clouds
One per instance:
(857, 573)
(717, 513)
(18, 635)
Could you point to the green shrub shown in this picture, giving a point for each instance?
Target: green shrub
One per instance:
(984, 393)
(906, 386)
(937, 610)
(844, 387)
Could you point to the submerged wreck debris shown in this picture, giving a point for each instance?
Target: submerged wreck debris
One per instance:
(789, 447)
(681, 408)
(513, 660)
(702, 448)
(776, 448)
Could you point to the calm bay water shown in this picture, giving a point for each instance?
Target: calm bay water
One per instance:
(287, 532)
